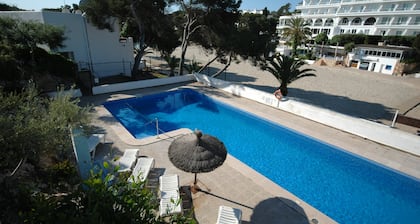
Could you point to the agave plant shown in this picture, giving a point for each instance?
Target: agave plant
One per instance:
(286, 70)
(173, 62)
(193, 66)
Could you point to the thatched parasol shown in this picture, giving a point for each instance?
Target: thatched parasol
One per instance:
(197, 153)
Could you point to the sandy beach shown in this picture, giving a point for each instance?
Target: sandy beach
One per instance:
(350, 91)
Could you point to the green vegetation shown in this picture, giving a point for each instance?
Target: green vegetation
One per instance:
(321, 38)
(210, 24)
(36, 147)
(344, 39)
(287, 69)
(39, 179)
(21, 58)
(298, 31)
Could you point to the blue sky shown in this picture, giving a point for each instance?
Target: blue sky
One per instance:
(37, 5)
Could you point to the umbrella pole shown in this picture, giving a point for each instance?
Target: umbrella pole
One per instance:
(195, 179)
(194, 187)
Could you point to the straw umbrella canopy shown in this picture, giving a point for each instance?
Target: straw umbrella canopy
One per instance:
(197, 153)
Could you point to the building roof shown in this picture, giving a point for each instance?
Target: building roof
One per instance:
(387, 47)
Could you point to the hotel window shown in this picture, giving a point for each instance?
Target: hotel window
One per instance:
(398, 33)
(397, 55)
(401, 20)
(417, 21)
(404, 7)
(345, 21)
(385, 20)
(371, 8)
(329, 22)
(356, 21)
(309, 22)
(388, 7)
(353, 31)
(341, 30)
(318, 22)
(370, 21)
(345, 9)
(332, 10)
(326, 31)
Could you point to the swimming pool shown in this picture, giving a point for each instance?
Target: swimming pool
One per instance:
(346, 187)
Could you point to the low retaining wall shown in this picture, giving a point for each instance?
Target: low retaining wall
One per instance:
(366, 129)
(130, 85)
(140, 84)
(72, 92)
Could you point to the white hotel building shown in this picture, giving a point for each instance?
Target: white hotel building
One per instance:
(370, 17)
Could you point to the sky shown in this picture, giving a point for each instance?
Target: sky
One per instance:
(37, 5)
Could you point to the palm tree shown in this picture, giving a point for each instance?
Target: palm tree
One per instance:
(286, 70)
(298, 31)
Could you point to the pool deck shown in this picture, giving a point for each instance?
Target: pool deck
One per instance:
(235, 184)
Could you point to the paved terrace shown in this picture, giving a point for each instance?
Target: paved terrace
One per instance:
(234, 184)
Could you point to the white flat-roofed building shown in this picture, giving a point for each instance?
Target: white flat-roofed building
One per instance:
(381, 59)
(370, 17)
(101, 52)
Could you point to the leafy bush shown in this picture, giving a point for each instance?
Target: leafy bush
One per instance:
(343, 39)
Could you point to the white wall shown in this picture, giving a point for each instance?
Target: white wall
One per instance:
(76, 38)
(24, 15)
(140, 84)
(109, 55)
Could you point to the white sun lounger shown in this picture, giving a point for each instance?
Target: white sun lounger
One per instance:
(142, 169)
(170, 200)
(228, 215)
(170, 203)
(169, 182)
(93, 141)
(128, 160)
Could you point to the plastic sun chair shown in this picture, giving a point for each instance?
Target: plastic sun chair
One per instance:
(142, 169)
(170, 199)
(229, 215)
(170, 202)
(128, 160)
(93, 141)
(169, 182)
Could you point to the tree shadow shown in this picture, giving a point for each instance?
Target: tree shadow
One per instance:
(343, 104)
(228, 76)
(339, 104)
(279, 210)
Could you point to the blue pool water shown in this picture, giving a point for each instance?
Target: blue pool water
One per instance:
(344, 186)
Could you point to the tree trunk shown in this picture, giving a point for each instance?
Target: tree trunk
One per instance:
(208, 63)
(186, 35)
(142, 45)
(224, 68)
(283, 89)
(184, 46)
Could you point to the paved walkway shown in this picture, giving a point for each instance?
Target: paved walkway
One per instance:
(234, 184)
